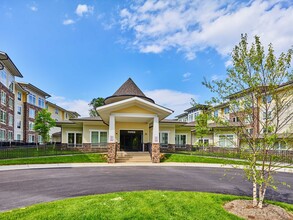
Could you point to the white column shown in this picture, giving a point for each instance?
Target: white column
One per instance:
(156, 130)
(111, 137)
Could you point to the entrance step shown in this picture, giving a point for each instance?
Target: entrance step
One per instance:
(133, 157)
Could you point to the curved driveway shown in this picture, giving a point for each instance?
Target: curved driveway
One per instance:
(20, 188)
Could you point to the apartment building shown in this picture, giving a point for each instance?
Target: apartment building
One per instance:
(20, 103)
(8, 73)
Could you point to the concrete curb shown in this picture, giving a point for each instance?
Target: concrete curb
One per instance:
(168, 164)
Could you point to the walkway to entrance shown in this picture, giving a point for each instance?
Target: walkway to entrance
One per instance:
(133, 157)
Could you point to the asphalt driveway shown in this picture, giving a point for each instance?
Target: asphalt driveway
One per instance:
(20, 188)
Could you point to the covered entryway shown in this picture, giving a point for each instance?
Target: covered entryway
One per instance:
(131, 140)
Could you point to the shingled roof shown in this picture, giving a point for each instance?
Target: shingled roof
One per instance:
(127, 90)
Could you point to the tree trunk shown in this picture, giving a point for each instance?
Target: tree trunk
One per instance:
(254, 194)
(261, 197)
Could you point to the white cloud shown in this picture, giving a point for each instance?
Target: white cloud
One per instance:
(84, 10)
(68, 21)
(33, 8)
(78, 105)
(193, 26)
(186, 76)
(175, 100)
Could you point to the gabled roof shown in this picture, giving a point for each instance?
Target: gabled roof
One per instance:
(62, 109)
(127, 90)
(5, 59)
(26, 86)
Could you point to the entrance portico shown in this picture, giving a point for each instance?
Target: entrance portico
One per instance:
(131, 115)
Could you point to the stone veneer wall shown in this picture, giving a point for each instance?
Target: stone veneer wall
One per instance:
(156, 153)
(112, 152)
(27, 119)
(8, 111)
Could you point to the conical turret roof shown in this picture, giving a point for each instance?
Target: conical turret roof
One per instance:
(127, 90)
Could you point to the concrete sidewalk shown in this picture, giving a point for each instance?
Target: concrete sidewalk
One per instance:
(137, 164)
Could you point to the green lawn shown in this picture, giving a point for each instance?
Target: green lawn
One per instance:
(133, 205)
(199, 159)
(78, 158)
(21, 152)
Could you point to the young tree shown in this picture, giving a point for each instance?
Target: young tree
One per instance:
(43, 124)
(201, 128)
(95, 103)
(260, 94)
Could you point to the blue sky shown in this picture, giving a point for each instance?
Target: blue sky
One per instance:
(77, 50)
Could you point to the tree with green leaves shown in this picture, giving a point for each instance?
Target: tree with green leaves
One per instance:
(43, 124)
(259, 91)
(95, 103)
(201, 128)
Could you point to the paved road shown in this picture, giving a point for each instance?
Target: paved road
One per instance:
(20, 188)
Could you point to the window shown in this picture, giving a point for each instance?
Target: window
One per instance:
(31, 126)
(19, 110)
(32, 99)
(281, 145)
(226, 140)
(164, 138)
(18, 137)
(226, 110)
(41, 103)
(203, 142)
(267, 99)
(66, 115)
(10, 120)
(190, 117)
(216, 113)
(180, 139)
(248, 119)
(3, 116)
(267, 115)
(249, 131)
(19, 96)
(32, 113)
(18, 125)
(2, 135)
(235, 119)
(56, 111)
(40, 139)
(31, 138)
(74, 139)
(10, 103)
(10, 136)
(3, 98)
(99, 137)
(3, 78)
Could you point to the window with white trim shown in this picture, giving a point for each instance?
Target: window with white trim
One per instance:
(3, 116)
(19, 110)
(31, 138)
(41, 103)
(2, 135)
(10, 120)
(216, 113)
(99, 137)
(32, 113)
(18, 137)
(32, 99)
(74, 138)
(18, 125)
(10, 103)
(226, 140)
(164, 138)
(40, 139)
(203, 142)
(19, 96)
(31, 126)
(10, 136)
(226, 110)
(180, 139)
(3, 77)
(56, 111)
(3, 98)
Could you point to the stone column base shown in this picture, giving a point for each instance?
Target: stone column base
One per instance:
(156, 153)
(111, 152)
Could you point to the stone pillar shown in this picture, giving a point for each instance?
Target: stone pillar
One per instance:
(111, 152)
(111, 141)
(156, 141)
(156, 153)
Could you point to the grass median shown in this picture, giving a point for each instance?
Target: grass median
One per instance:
(134, 205)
